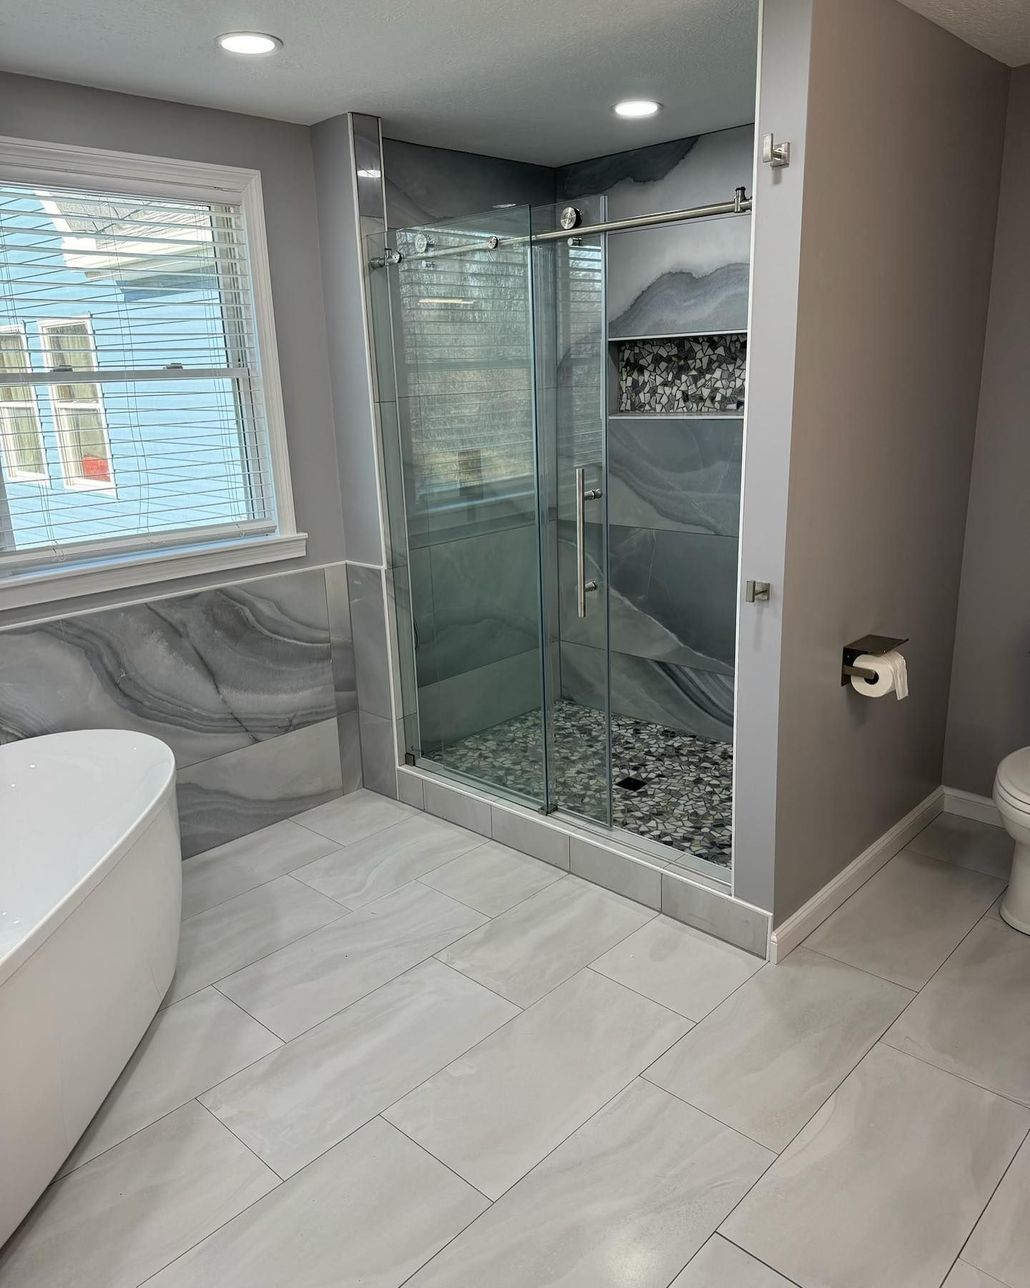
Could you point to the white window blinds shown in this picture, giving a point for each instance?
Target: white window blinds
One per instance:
(131, 412)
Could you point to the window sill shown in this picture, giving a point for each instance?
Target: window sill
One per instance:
(64, 582)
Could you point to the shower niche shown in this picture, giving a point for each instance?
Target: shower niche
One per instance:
(563, 460)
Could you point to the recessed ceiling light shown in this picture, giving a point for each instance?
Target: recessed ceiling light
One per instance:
(637, 107)
(249, 42)
(370, 174)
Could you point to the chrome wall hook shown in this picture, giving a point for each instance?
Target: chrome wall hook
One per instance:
(775, 154)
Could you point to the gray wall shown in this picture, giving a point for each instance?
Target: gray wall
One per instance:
(52, 111)
(437, 183)
(901, 174)
(989, 713)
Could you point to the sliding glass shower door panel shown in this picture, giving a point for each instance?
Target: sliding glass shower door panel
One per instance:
(461, 316)
(571, 389)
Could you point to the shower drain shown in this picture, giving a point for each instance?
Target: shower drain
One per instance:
(630, 783)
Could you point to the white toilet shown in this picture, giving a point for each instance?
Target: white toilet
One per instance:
(1012, 797)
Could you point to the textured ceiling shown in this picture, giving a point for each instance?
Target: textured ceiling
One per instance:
(530, 79)
(1000, 28)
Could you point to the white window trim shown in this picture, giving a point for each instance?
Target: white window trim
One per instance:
(14, 473)
(51, 164)
(61, 408)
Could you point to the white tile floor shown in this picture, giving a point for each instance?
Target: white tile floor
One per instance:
(398, 1053)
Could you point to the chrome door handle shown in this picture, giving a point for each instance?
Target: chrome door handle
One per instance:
(583, 495)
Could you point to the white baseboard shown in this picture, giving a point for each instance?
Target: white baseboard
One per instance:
(969, 805)
(786, 937)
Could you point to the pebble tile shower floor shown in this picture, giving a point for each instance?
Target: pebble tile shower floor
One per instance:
(686, 801)
(402, 1054)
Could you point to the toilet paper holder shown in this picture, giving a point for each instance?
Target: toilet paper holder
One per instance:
(875, 644)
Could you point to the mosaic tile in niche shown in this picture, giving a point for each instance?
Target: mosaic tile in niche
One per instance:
(686, 374)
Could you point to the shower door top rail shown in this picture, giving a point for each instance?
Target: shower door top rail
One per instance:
(740, 205)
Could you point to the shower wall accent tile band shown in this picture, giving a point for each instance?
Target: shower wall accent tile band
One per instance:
(695, 374)
(247, 683)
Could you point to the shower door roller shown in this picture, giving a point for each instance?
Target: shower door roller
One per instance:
(583, 587)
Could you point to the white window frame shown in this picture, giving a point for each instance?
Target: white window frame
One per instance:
(61, 407)
(14, 472)
(44, 165)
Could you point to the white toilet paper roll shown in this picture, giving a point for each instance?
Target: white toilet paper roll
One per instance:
(891, 675)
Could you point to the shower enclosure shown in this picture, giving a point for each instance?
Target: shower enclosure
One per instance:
(502, 385)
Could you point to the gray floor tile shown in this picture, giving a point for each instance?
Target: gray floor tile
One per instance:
(720, 1264)
(1000, 1244)
(885, 1183)
(233, 934)
(365, 1215)
(625, 1200)
(964, 1275)
(294, 1104)
(524, 953)
(188, 1048)
(904, 921)
(968, 844)
(314, 977)
(377, 864)
(492, 878)
(229, 870)
(682, 968)
(973, 1018)
(354, 816)
(495, 1112)
(767, 1058)
(123, 1216)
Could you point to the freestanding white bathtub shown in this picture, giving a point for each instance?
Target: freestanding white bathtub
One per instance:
(90, 893)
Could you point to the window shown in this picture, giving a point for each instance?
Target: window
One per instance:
(21, 440)
(78, 411)
(140, 414)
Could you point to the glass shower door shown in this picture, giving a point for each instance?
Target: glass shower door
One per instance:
(453, 301)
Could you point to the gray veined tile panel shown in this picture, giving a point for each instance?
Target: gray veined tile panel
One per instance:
(905, 920)
(625, 1200)
(479, 699)
(885, 1183)
(967, 1276)
(679, 967)
(208, 673)
(544, 940)
(721, 1264)
(366, 870)
(378, 754)
(341, 638)
(368, 624)
(248, 789)
(123, 1216)
(354, 817)
(349, 731)
(314, 977)
(187, 1049)
(221, 940)
(311, 1093)
(973, 1018)
(231, 869)
(494, 1113)
(968, 844)
(492, 878)
(366, 1214)
(675, 473)
(765, 1060)
(1000, 1244)
(684, 300)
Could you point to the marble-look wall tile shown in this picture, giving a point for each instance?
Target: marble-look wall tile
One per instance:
(349, 731)
(474, 700)
(341, 638)
(368, 624)
(676, 697)
(378, 754)
(688, 277)
(424, 184)
(208, 673)
(231, 795)
(678, 473)
(477, 602)
(672, 596)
